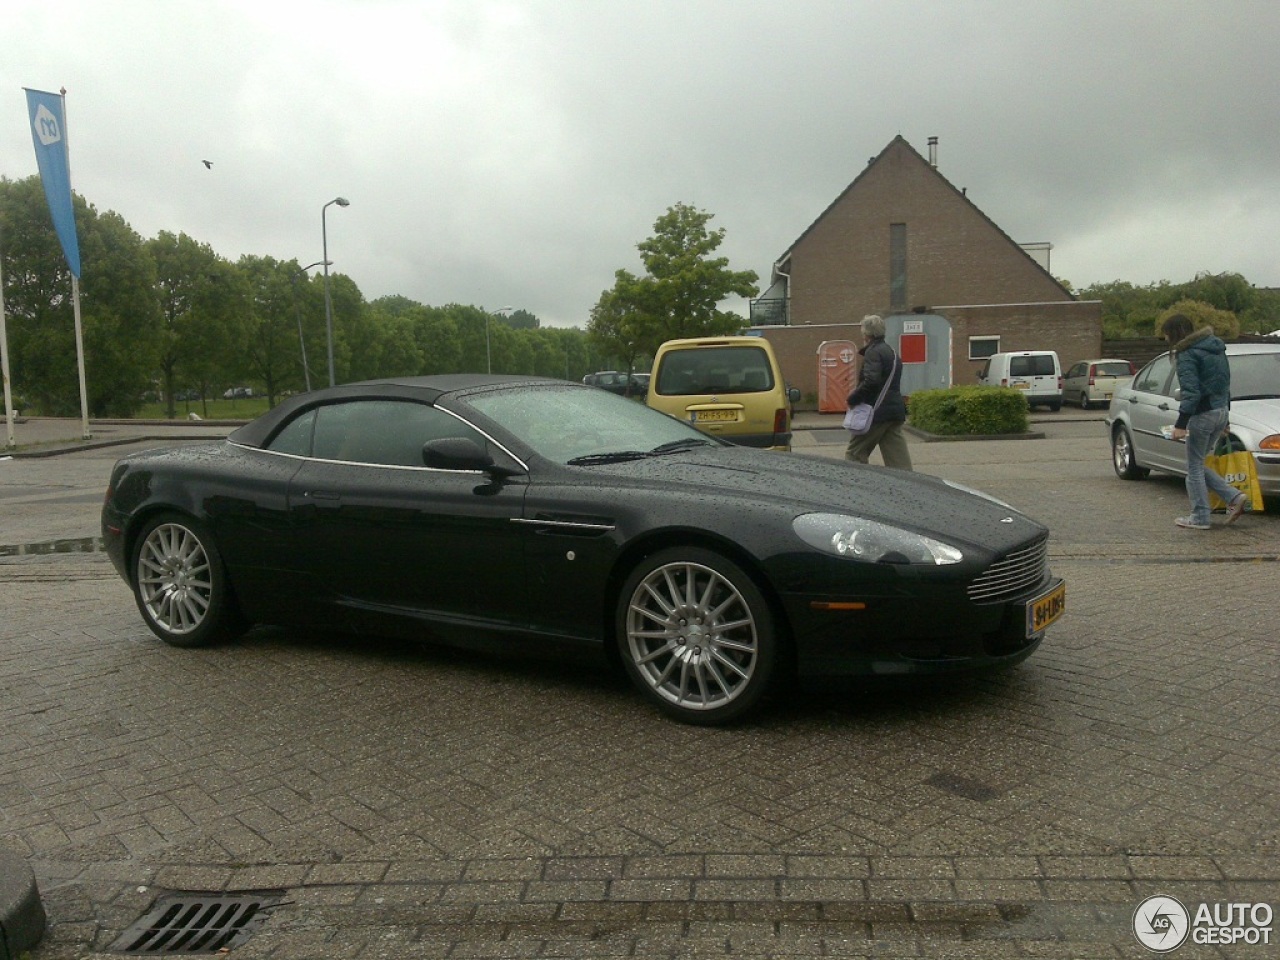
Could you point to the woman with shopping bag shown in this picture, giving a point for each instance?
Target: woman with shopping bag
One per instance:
(1205, 381)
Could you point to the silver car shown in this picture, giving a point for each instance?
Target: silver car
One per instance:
(1094, 381)
(1148, 405)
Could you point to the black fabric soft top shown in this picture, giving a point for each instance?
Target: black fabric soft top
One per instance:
(425, 389)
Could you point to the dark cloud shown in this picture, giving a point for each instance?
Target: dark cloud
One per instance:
(516, 152)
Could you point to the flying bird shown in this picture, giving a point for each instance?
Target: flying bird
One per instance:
(208, 164)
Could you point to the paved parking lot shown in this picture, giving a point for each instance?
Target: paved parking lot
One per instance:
(413, 802)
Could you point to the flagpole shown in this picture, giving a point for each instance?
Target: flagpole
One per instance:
(4, 363)
(75, 288)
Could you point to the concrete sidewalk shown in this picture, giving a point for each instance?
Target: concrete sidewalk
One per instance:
(50, 436)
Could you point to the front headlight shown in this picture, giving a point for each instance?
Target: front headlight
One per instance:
(871, 541)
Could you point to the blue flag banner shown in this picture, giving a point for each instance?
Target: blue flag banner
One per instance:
(48, 132)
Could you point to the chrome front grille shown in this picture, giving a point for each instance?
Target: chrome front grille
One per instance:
(1014, 575)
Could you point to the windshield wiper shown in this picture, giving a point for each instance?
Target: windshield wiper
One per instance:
(618, 456)
(676, 446)
(1258, 396)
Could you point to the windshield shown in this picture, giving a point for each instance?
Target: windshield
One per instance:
(571, 424)
(1255, 375)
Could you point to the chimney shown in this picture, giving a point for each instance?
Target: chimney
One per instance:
(933, 152)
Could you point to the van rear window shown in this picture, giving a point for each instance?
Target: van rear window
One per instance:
(1040, 365)
(714, 370)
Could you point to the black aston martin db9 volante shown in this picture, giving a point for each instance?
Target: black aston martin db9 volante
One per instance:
(514, 511)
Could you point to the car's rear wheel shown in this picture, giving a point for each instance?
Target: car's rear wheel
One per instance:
(180, 584)
(696, 635)
(1122, 457)
(1084, 401)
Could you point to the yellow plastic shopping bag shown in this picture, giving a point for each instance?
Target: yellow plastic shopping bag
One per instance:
(1240, 470)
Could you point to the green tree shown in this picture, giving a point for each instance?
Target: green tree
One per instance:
(269, 354)
(118, 309)
(1201, 314)
(199, 303)
(679, 294)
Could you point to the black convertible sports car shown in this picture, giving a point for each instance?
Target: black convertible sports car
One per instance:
(514, 511)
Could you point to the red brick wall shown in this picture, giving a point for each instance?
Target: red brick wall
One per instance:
(839, 272)
(840, 267)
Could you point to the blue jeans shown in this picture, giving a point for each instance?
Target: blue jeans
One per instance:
(1202, 436)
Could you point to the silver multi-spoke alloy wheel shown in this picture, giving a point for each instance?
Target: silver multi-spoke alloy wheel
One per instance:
(175, 579)
(1122, 457)
(697, 635)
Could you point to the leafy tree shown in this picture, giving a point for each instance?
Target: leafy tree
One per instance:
(437, 335)
(680, 293)
(521, 320)
(199, 304)
(122, 322)
(270, 352)
(1201, 314)
(118, 311)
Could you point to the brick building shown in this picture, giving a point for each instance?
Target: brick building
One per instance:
(902, 241)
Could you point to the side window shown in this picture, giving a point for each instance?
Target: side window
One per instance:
(1152, 378)
(383, 432)
(295, 438)
(1076, 371)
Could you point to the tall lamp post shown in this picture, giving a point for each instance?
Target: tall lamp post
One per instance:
(502, 312)
(293, 280)
(328, 303)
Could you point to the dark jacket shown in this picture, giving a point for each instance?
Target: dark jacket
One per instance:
(1203, 375)
(877, 363)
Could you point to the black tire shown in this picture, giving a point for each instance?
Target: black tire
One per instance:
(180, 584)
(1084, 401)
(1055, 406)
(696, 636)
(1122, 456)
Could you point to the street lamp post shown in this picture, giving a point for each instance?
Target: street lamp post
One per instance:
(488, 358)
(293, 280)
(328, 303)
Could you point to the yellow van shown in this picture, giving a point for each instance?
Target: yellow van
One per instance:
(729, 387)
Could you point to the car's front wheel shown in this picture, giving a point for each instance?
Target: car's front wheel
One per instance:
(696, 635)
(1122, 457)
(180, 584)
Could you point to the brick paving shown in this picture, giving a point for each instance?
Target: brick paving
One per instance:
(416, 802)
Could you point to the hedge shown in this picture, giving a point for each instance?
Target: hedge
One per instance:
(960, 411)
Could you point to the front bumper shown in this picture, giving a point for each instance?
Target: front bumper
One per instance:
(934, 632)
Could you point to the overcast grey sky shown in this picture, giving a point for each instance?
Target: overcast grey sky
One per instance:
(514, 152)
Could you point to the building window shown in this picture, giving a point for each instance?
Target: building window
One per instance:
(982, 347)
(898, 266)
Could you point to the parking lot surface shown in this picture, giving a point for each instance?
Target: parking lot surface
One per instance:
(406, 801)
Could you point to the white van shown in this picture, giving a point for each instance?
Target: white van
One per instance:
(1037, 373)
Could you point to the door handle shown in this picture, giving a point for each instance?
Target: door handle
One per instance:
(323, 497)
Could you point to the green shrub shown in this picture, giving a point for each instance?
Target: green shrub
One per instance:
(961, 411)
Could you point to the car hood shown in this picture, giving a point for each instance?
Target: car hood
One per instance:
(1262, 416)
(804, 484)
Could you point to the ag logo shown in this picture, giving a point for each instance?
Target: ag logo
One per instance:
(1161, 924)
(46, 126)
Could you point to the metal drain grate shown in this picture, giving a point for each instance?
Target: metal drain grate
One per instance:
(197, 923)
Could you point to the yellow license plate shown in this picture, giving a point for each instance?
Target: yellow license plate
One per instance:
(1022, 386)
(713, 416)
(1046, 608)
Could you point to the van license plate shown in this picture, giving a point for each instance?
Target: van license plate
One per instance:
(712, 416)
(1046, 608)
